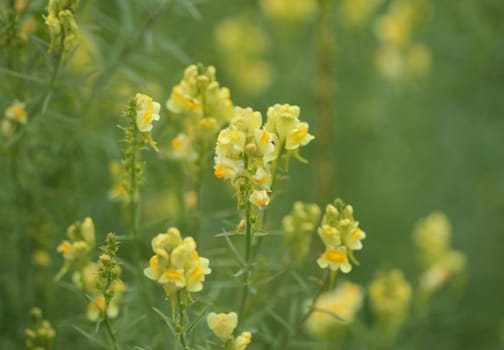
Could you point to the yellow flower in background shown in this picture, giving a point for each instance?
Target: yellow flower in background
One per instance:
(96, 306)
(242, 341)
(17, 112)
(440, 263)
(222, 324)
(451, 264)
(419, 58)
(290, 10)
(389, 62)
(390, 297)
(243, 44)
(118, 191)
(357, 12)
(432, 236)
(334, 309)
(298, 228)
(147, 112)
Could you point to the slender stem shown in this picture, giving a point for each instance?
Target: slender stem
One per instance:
(181, 321)
(248, 246)
(299, 326)
(110, 331)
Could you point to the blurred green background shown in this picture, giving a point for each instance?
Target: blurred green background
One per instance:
(400, 148)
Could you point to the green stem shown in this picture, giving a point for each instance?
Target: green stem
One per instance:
(299, 326)
(181, 321)
(248, 248)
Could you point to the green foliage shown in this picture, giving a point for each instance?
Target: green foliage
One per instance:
(402, 126)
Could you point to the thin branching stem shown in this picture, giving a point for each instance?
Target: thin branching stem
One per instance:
(299, 326)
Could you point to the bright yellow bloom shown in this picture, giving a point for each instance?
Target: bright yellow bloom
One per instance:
(222, 324)
(353, 240)
(335, 259)
(147, 112)
(177, 263)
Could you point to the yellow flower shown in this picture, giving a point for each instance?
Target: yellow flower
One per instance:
(96, 306)
(246, 120)
(329, 235)
(282, 119)
(222, 324)
(419, 58)
(290, 10)
(353, 240)
(16, 112)
(259, 198)
(147, 112)
(335, 259)
(334, 309)
(452, 263)
(298, 136)
(266, 142)
(390, 296)
(196, 275)
(228, 168)
(241, 341)
(183, 149)
(176, 264)
(389, 62)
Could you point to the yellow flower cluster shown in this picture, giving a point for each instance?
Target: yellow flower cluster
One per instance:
(290, 10)
(246, 149)
(397, 55)
(440, 262)
(390, 296)
(243, 44)
(176, 263)
(87, 279)
(77, 249)
(299, 226)
(334, 309)
(62, 26)
(86, 276)
(341, 235)
(40, 336)
(223, 326)
(147, 111)
(15, 115)
(203, 106)
(357, 12)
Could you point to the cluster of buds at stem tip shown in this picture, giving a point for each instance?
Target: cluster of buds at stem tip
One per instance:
(41, 334)
(223, 326)
(108, 283)
(176, 264)
(247, 152)
(203, 107)
(298, 227)
(341, 235)
(63, 28)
